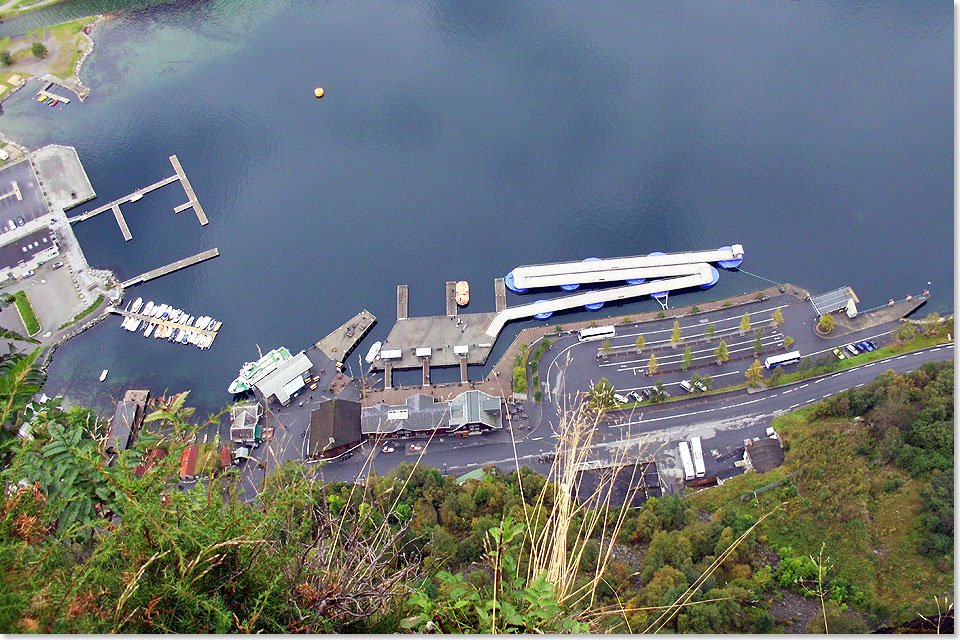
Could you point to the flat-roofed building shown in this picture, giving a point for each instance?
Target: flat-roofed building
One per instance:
(842, 299)
(618, 484)
(27, 252)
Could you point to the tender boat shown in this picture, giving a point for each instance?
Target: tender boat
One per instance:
(462, 292)
(148, 309)
(136, 305)
(374, 352)
(103, 375)
(136, 196)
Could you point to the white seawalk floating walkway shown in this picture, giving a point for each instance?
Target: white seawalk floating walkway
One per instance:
(616, 269)
(697, 275)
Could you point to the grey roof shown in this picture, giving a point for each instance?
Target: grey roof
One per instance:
(244, 418)
(640, 481)
(475, 407)
(273, 383)
(423, 414)
(23, 249)
(334, 423)
(122, 424)
(766, 454)
(833, 300)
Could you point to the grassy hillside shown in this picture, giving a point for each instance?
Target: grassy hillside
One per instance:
(869, 461)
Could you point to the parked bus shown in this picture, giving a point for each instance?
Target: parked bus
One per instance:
(597, 333)
(698, 467)
(688, 472)
(786, 358)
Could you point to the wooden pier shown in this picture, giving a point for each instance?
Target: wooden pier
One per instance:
(191, 196)
(451, 298)
(403, 296)
(500, 293)
(114, 206)
(162, 323)
(170, 268)
(463, 369)
(426, 371)
(124, 229)
(387, 375)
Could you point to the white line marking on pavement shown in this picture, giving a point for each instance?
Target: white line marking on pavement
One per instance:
(794, 406)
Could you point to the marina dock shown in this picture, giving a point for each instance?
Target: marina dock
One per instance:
(340, 342)
(114, 206)
(162, 323)
(441, 334)
(170, 268)
(500, 294)
(191, 196)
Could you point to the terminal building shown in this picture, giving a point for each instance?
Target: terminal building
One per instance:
(287, 380)
(422, 415)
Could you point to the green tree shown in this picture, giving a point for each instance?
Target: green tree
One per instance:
(777, 318)
(931, 323)
(600, 396)
(39, 50)
(5, 58)
(605, 347)
(745, 323)
(755, 372)
(905, 332)
(652, 364)
(710, 332)
(721, 352)
(676, 337)
(787, 342)
(827, 322)
(758, 343)
(687, 358)
(641, 343)
(658, 394)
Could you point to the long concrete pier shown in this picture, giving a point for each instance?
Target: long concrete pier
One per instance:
(403, 296)
(119, 201)
(619, 269)
(124, 229)
(451, 298)
(338, 344)
(162, 323)
(703, 275)
(170, 268)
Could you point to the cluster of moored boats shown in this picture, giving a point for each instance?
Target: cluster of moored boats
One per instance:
(157, 317)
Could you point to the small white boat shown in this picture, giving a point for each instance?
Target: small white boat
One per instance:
(148, 330)
(103, 375)
(148, 308)
(374, 352)
(136, 305)
(136, 196)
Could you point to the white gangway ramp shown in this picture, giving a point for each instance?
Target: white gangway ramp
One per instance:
(619, 269)
(696, 275)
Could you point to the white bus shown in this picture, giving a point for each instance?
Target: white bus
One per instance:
(597, 333)
(787, 358)
(697, 457)
(688, 473)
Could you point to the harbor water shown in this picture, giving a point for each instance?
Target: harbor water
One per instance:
(456, 141)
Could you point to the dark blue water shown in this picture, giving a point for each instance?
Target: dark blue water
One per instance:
(459, 140)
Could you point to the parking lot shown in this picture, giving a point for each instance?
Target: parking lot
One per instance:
(20, 195)
(52, 294)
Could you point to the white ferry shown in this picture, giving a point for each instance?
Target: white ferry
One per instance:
(374, 352)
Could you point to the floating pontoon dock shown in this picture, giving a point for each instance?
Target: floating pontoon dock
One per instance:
(170, 268)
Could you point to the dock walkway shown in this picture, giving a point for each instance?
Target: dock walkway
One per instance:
(170, 268)
(162, 323)
(191, 196)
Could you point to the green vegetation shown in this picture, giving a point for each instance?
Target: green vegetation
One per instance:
(721, 352)
(559, 328)
(676, 337)
(745, 323)
(652, 365)
(727, 303)
(777, 318)
(27, 314)
(758, 343)
(626, 320)
(695, 309)
(826, 323)
(64, 38)
(641, 343)
(39, 50)
(709, 332)
(787, 342)
(876, 491)
(83, 314)
(605, 347)
(5, 58)
(520, 370)
(660, 314)
(755, 372)
(687, 358)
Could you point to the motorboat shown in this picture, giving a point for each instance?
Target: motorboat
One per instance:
(462, 290)
(136, 305)
(374, 352)
(103, 374)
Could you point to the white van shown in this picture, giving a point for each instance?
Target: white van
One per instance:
(621, 398)
(4, 155)
(686, 386)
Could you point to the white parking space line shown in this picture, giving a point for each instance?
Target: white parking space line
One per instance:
(803, 386)
(901, 357)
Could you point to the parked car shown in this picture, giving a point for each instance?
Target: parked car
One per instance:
(20, 221)
(416, 447)
(699, 385)
(635, 396)
(29, 273)
(346, 456)
(853, 350)
(57, 265)
(872, 344)
(685, 384)
(865, 345)
(388, 449)
(839, 354)
(622, 399)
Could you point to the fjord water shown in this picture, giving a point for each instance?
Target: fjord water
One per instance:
(458, 140)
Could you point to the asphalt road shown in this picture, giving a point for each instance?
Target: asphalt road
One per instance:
(722, 421)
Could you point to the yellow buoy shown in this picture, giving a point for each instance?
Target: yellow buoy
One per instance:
(318, 92)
